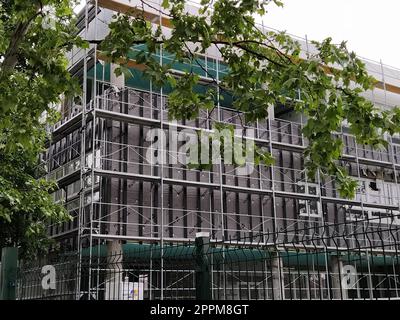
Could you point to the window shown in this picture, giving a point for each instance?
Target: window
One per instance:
(307, 187)
(377, 216)
(377, 191)
(73, 189)
(59, 196)
(373, 186)
(354, 214)
(309, 208)
(89, 159)
(383, 216)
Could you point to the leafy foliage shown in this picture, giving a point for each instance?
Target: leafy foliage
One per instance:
(264, 69)
(34, 37)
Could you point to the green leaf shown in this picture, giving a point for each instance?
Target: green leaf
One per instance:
(165, 4)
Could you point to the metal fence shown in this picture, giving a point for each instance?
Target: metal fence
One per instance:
(357, 260)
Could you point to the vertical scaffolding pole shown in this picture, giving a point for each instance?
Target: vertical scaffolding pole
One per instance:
(221, 189)
(325, 249)
(371, 295)
(326, 255)
(392, 159)
(276, 262)
(392, 152)
(92, 109)
(81, 217)
(162, 142)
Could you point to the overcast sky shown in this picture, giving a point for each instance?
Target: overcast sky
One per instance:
(371, 27)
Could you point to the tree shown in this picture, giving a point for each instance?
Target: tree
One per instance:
(264, 69)
(34, 38)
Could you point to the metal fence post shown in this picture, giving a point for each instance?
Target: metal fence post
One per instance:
(203, 274)
(8, 273)
(278, 284)
(114, 284)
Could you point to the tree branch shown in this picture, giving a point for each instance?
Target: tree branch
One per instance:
(11, 56)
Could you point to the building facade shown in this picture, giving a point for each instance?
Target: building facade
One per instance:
(99, 157)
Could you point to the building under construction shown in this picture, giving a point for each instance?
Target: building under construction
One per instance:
(119, 200)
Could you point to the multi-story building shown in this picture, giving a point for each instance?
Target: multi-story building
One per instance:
(98, 157)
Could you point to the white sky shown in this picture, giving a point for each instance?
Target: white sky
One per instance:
(371, 27)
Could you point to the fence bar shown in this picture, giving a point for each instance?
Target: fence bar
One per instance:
(8, 273)
(203, 273)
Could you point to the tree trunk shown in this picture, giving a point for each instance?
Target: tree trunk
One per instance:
(11, 55)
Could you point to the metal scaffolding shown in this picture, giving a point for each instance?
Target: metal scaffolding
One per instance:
(98, 157)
